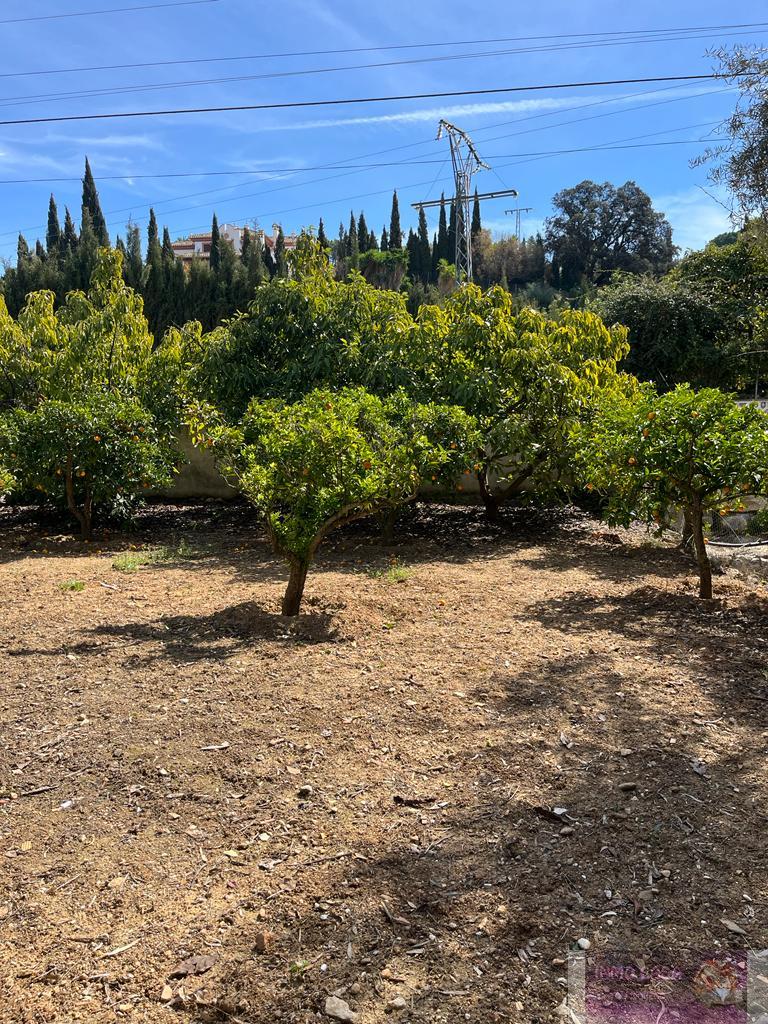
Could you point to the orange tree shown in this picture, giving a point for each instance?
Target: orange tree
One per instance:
(526, 377)
(694, 451)
(87, 408)
(332, 458)
(88, 455)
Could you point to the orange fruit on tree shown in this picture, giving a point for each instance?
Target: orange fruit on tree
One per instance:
(632, 460)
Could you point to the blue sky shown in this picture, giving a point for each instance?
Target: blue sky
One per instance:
(290, 149)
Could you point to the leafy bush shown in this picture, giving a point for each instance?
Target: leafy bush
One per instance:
(525, 377)
(331, 458)
(691, 450)
(88, 456)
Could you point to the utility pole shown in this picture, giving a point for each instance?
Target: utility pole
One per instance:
(466, 163)
(518, 211)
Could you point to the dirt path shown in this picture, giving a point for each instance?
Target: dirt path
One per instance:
(361, 803)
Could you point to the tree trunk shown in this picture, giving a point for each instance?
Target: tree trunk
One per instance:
(388, 520)
(702, 558)
(687, 536)
(490, 500)
(84, 516)
(295, 589)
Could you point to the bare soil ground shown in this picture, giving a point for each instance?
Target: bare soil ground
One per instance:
(360, 802)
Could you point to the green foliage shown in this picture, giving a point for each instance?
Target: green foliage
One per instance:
(675, 330)
(303, 332)
(597, 229)
(691, 450)
(90, 455)
(740, 161)
(131, 561)
(528, 379)
(332, 458)
(72, 586)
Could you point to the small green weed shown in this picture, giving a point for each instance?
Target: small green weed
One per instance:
(130, 561)
(73, 586)
(394, 573)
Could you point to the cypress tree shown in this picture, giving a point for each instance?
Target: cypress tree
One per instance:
(53, 234)
(321, 236)
(92, 204)
(215, 260)
(395, 231)
(373, 242)
(134, 264)
(246, 246)
(452, 234)
(251, 257)
(154, 286)
(342, 244)
(70, 233)
(281, 263)
(476, 223)
(362, 233)
(414, 255)
(384, 240)
(39, 250)
(425, 252)
(153, 240)
(442, 249)
(353, 243)
(169, 256)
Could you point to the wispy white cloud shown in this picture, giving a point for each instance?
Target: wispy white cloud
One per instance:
(694, 215)
(427, 114)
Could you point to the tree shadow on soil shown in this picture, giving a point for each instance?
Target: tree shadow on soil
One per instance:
(468, 899)
(214, 637)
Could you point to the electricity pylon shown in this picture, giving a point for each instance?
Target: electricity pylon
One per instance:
(466, 163)
(518, 212)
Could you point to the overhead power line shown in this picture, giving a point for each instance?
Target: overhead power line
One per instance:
(109, 10)
(628, 35)
(59, 96)
(305, 104)
(346, 162)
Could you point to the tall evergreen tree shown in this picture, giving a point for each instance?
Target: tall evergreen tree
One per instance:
(153, 239)
(476, 222)
(414, 256)
(281, 263)
(70, 232)
(384, 240)
(425, 252)
(92, 204)
(321, 236)
(252, 258)
(353, 244)
(169, 256)
(395, 231)
(362, 233)
(373, 242)
(443, 249)
(53, 234)
(134, 265)
(452, 234)
(215, 256)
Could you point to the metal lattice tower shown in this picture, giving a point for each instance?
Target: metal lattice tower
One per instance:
(466, 163)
